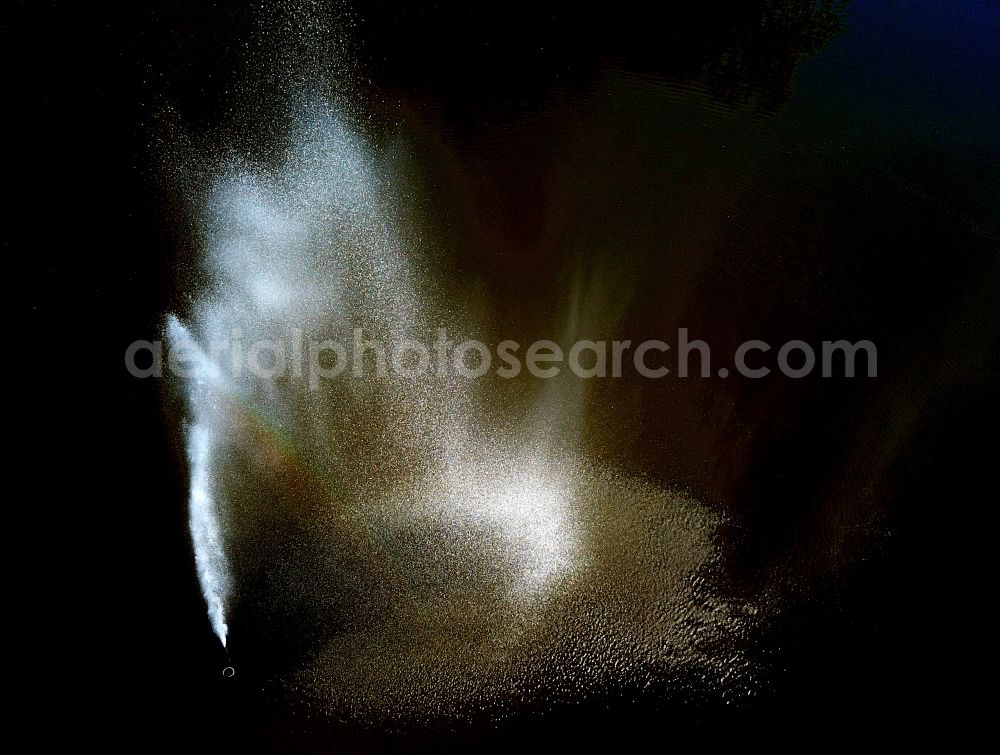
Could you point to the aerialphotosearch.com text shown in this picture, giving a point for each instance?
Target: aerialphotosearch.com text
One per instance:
(316, 360)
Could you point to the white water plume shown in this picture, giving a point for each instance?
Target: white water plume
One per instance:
(203, 514)
(435, 545)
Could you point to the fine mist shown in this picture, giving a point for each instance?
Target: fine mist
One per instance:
(423, 546)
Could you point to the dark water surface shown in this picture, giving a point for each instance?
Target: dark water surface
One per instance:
(765, 170)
